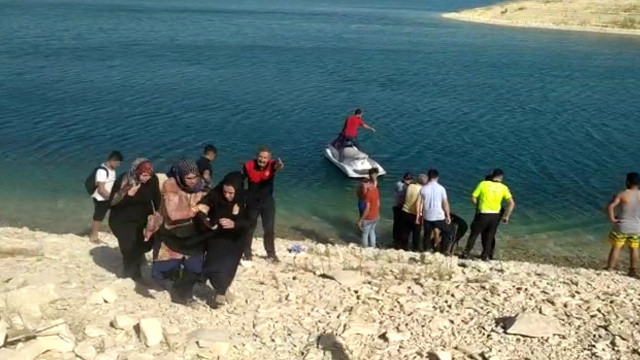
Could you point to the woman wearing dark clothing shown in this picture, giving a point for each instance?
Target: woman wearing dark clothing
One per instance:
(226, 220)
(134, 197)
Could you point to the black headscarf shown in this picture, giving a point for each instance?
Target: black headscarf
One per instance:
(220, 207)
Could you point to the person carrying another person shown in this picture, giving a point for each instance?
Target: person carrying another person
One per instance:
(349, 132)
(398, 201)
(105, 177)
(409, 228)
(134, 197)
(626, 224)
(488, 198)
(260, 174)
(433, 206)
(227, 220)
(204, 165)
(371, 215)
(178, 251)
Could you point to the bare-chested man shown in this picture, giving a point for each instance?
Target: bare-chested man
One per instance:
(626, 224)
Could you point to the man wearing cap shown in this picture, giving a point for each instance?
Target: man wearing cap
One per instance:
(398, 202)
(488, 198)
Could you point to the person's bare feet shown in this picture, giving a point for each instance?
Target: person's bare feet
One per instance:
(633, 272)
(95, 240)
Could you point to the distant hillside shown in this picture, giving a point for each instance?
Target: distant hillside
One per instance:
(612, 16)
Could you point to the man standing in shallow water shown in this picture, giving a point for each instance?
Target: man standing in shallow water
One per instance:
(626, 226)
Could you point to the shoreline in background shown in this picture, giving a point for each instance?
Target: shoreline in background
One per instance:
(622, 18)
(510, 248)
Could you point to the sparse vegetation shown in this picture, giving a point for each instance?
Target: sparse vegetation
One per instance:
(628, 23)
(622, 16)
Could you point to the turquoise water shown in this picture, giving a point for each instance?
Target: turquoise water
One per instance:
(558, 111)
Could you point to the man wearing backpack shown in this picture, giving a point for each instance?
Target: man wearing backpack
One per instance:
(103, 178)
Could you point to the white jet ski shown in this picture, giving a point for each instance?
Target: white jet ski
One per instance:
(355, 163)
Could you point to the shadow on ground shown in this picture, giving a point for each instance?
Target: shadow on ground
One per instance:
(107, 258)
(329, 343)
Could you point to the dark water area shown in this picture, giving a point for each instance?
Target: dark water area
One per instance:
(558, 111)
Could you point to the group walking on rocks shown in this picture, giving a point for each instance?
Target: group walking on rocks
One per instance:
(200, 232)
(196, 231)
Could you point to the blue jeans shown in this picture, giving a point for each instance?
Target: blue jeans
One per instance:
(369, 233)
(361, 206)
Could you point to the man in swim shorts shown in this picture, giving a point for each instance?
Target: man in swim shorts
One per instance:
(626, 224)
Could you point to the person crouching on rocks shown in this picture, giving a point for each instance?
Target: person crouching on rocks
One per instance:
(135, 196)
(179, 247)
(228, 222)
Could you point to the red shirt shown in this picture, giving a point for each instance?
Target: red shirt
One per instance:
(372, 197)
(260, 181)
(351, 126)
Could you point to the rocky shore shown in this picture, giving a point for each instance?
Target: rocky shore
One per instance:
(605, 16)
(61, 298)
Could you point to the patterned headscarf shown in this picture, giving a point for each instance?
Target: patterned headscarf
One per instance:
(138, 167)
(183, 168)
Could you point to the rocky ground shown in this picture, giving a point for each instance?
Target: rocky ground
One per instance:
(619, 16)
(60, 298)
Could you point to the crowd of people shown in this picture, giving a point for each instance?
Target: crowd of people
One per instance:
(200, 231)
(197, 231)
(422, 216)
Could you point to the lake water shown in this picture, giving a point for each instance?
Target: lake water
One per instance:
(558, 111)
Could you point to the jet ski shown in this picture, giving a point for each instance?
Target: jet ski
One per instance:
(355, 163)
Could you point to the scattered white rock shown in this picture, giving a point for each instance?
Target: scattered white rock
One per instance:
(534, 325)
(359, 327)
(124, 322)
(33, 348)
(8, 354)
(85, 351)
(400, 289)
(216, 341)
(347, 278)
(282, 312)
(108, 355)
(394, 336)
(3, 331)
(440, 355)
(95, 299)
(108, 295)
(150, 331)
(34, 295)
(139, 356)
(93, 331)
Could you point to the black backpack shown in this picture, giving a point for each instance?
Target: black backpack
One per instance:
(90, 182)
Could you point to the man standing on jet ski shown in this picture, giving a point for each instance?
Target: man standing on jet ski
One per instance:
(349, 131)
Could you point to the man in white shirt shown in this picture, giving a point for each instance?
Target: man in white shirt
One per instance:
(433, 206)
(105, 177)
